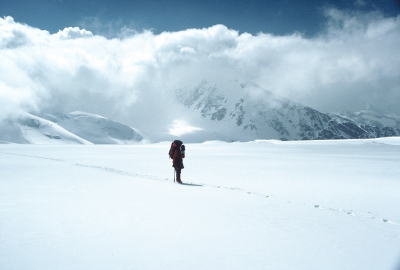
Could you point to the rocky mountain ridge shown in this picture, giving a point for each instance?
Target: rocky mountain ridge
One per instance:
(251, 112)
(240, 112)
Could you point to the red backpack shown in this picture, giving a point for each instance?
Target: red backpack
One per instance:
(177, 149)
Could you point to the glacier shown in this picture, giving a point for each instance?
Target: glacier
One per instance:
(265, 204)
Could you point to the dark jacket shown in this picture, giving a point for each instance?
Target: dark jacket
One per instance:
(176, 155)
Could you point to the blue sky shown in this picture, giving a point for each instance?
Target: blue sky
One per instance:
(108, 16)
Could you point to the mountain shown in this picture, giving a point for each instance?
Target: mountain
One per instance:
(248, 112)
(96, 128)
(375, 123)
(237, 112)
(70, 128)
(32, 129)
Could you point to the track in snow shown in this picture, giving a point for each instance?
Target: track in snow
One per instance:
(139, 176)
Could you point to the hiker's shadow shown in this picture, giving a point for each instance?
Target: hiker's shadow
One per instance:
(190, 184)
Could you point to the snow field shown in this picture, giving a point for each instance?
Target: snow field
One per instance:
(257, 205)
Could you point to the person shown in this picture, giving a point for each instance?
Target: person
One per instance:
(177, 153)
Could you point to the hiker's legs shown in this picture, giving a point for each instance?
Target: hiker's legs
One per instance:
(178, 175)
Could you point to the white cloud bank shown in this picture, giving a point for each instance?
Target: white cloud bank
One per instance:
(73, 32)
(354, 62)
(181, 127)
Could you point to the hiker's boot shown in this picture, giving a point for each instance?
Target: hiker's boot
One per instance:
(178, 178)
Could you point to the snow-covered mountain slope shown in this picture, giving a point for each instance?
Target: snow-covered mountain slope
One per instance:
(95, 128)
(237, 112)
(28, 128)
(304, 205)
(375, 123)
(247, 112)
(75, 127)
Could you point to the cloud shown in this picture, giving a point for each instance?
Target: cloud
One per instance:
(354, 62)
(73, 32)
(111, 28)
(14, 35)
(181, 127)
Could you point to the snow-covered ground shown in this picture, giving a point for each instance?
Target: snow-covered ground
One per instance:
(256, 205)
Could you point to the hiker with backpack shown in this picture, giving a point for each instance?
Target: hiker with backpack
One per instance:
(177, 153)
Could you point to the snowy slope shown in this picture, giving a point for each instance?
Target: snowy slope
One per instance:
(28, 128)
(238, 112)
(377, 124)
(96, 128)
(257, 205)
(246, 111)
(74, 127)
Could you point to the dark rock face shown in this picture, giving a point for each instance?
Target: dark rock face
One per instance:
(265, 116)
